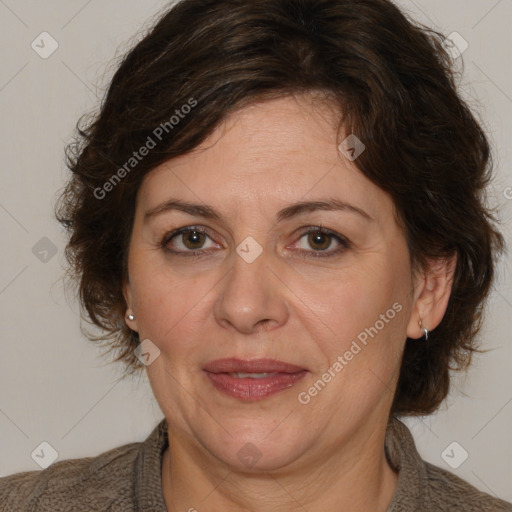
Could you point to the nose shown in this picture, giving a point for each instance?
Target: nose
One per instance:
(251, 296)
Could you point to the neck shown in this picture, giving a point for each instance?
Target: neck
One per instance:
(354, 477)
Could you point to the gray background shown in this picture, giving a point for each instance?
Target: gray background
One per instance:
(54, 385)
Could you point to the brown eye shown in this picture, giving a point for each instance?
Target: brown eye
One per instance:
(187, 241)
(193, 239)
(318, 240)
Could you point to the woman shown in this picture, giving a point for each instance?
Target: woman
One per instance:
(278, 214)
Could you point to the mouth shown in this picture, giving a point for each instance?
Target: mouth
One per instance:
(252, 380)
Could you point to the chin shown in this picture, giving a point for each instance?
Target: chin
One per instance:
(254, 453)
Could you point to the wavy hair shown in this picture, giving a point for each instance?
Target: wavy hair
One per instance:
(393, 85)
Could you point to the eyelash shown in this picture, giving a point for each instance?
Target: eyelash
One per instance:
(345, 244)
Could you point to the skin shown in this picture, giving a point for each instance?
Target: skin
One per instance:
(288, 305)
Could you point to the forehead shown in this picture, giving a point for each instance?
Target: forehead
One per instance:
(272, 153)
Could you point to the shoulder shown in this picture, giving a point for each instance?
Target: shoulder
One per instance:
(449, 492)
(422, 486)
(84, 484)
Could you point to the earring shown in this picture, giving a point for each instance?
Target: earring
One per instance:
(425, 331)
(131, 317)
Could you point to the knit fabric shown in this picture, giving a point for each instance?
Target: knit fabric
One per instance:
(129, 478)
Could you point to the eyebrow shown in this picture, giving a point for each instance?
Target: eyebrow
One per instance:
(289, 212)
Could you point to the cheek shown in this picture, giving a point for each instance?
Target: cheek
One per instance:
(376, 312)
(362, 347)
(168, 304)
(167, 308)
(351, 301)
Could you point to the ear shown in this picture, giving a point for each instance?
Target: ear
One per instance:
(432, 292)
(127, 292)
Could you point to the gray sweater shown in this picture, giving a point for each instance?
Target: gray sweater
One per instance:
(128, 478)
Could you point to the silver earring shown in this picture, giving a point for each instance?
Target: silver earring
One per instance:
(425, 331)
(131, 317)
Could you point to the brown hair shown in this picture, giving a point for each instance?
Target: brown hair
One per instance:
(394, 87)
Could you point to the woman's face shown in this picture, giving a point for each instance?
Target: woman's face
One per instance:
(261, 283)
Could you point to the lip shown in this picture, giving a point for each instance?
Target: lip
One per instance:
(233, 365)
(285, 375)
